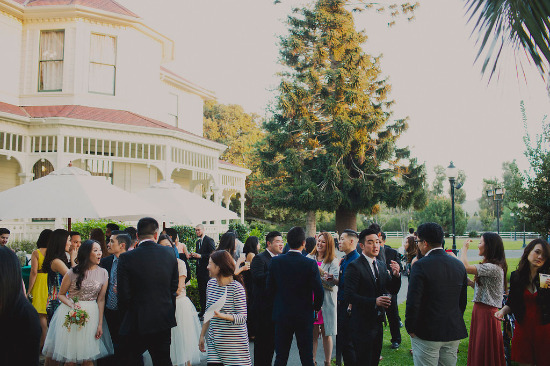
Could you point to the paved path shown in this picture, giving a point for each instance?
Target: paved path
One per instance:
(294, 359)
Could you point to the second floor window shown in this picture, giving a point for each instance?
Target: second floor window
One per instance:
(102, 64)
(50, 67)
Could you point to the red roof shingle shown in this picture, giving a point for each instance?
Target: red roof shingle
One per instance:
(106, 5)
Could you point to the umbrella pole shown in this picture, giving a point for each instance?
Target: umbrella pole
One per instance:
(69, 224)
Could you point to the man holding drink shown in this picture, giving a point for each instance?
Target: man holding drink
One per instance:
(368, 288)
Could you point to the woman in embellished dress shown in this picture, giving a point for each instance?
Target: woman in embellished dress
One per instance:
(86, 285)
(324, 254)
(225, 332)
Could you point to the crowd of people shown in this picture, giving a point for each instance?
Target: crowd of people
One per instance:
(119, 298)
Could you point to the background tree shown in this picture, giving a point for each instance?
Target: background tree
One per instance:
(439, 210)
(331, 144)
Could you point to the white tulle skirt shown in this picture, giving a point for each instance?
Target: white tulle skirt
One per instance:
(185, 336)
(78, 344)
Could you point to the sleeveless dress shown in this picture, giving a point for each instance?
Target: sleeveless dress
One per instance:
(80, 344)
(39, 291)
(531, 340)
(227, 342)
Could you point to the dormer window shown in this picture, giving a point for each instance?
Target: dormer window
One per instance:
(102, 64)
(50, 69)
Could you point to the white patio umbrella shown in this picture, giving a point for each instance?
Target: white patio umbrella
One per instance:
(183, 207)
(71, 192)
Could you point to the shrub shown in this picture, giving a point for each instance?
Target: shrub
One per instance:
(192, 290)
(189, 238)
(473, 234)
(84, 227)
(241, 230)
(26, 246)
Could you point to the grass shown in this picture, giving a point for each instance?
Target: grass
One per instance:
(402, 356)
(395, 243)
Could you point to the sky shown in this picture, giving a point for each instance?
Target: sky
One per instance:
(231, 48)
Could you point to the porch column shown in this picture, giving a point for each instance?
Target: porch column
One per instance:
(242, 199)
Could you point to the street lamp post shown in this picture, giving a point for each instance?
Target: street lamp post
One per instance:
(452, 173)
(521, 207)
(497, 195)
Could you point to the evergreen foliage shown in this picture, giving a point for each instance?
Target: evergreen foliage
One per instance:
(331, 144)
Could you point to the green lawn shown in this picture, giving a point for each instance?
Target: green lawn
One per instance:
(395, 243)
(402, 356)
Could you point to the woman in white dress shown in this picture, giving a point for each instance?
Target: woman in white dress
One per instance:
(184, 348)
(88, 283)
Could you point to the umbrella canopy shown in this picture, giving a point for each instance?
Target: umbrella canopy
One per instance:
(72, 192)
(183, 207)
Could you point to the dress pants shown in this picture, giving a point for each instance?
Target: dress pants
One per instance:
(264, 343)
(114, 319)
(202, 283)
(344, 345)
(393, 318)
(430, 353)
(284, 331)
(368, 345)
(158, 345)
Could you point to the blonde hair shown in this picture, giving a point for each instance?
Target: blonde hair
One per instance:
(329, 251)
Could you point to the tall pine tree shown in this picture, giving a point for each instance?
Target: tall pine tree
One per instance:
(331, 144)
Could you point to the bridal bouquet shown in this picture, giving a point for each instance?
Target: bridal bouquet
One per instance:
(76, 316)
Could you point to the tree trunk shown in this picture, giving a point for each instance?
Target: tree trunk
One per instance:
(311, 223)
(345, 219)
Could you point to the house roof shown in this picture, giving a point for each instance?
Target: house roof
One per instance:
(105, 5)
(90, 114)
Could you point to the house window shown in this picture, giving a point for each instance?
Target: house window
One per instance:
(102, 64)
(173, 109)
(50, 69)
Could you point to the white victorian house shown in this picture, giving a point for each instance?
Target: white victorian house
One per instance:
(84, 81)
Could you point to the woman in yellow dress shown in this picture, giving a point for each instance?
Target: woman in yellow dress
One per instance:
(38, 282)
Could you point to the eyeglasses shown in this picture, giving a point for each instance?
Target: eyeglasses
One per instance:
(418, 241)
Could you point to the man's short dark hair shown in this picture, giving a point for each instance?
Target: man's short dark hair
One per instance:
(374, 226)
(147, 226)
(3, 231)
(351, 233)
(118, 232)
(112, 226)
(172, 233)
(383, 235)
(368, 231)
(130, 230)
(432, 233)
(123, 238)
(411, 230)
(295, 237)
(272, 235)
(74, 233)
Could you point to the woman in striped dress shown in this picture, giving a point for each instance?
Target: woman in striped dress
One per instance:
(225, 332)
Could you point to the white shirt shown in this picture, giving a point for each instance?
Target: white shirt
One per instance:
(295, 250)
(272, 255)
(371, 263)
(431, 250)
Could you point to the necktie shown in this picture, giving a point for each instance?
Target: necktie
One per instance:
(112, 298)
(376, 274)
(199, 242)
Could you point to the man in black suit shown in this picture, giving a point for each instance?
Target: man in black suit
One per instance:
(147, 285)
(367, 283)
(291, 281)
(264, 345)
(436, 301)
(119, 243)
(392, 312)
(204, 247)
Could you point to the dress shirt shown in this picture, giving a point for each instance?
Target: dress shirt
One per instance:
(371, 263)
(431, 250)
(272, 255)
(296, 251)
(347, 259)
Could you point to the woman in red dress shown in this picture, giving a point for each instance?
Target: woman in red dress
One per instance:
(529, 301)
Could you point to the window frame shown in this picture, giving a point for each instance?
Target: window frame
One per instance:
(90, 63)
(40, 61)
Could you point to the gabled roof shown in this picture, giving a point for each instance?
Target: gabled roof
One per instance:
(105, 5)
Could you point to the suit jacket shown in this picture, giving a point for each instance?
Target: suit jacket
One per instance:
(291, 281)
(361, 291)
(516, 302)
(207, 247)
(147, 284)
(259, 269)
(107, 263)
(436, 298)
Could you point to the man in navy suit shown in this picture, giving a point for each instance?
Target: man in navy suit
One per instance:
(291, 282)
(147, 284)
(367, 283)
